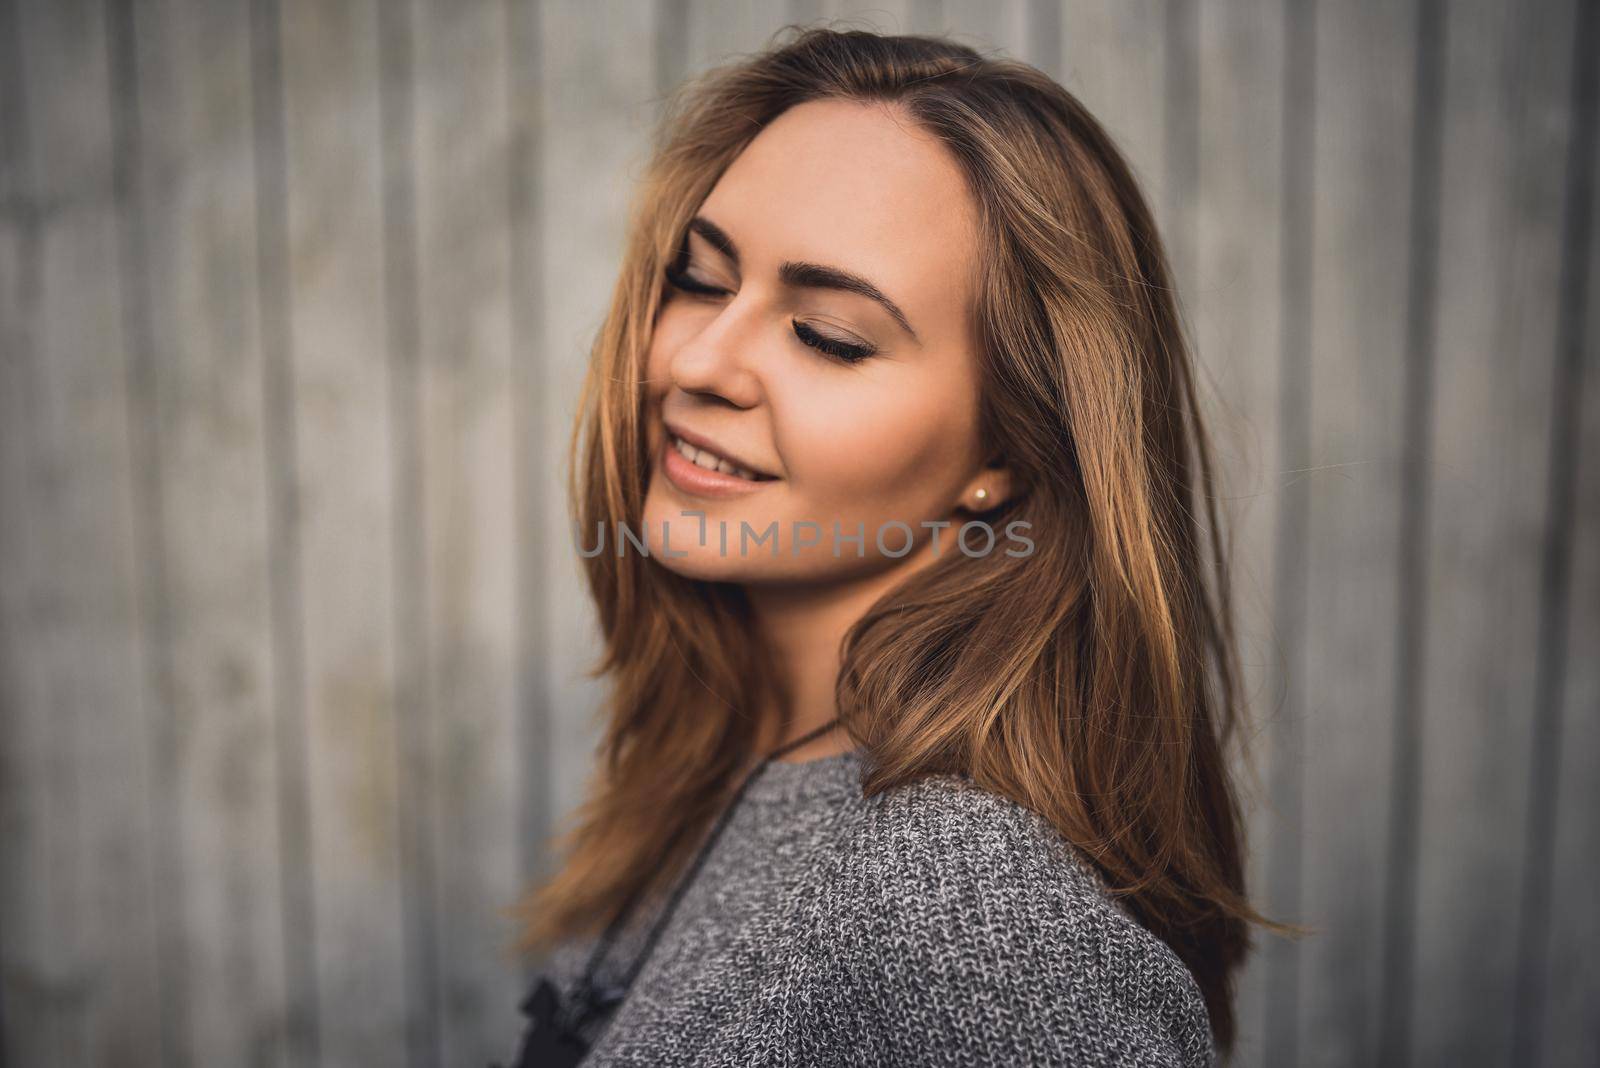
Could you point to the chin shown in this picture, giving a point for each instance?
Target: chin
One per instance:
(682, 553)
(674, 541)
(706, 565)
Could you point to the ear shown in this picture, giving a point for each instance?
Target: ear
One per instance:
(993, 485)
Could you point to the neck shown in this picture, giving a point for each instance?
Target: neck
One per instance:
(805, 625)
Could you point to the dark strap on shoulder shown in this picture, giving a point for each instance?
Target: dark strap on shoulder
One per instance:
(545, 1042)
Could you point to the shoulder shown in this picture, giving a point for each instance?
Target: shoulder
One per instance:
(966, 838)
(964, 906)
(984, 868)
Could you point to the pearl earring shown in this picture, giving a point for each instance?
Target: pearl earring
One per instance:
(981, 494)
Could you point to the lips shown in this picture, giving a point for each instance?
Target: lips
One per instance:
(708, 460)
(707, 454)
(692, 465)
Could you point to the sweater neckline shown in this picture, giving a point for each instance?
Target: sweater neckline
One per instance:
(788, 783)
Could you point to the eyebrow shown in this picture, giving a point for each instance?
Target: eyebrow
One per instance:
(804, 275)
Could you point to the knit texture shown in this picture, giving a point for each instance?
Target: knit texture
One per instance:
(934, 924)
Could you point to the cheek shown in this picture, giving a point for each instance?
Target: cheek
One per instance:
(895, 444)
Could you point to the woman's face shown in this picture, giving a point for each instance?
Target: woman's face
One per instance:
(842, 226)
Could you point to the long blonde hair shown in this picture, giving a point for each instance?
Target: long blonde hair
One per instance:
(1094, 681)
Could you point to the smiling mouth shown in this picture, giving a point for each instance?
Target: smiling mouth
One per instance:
(710, 461)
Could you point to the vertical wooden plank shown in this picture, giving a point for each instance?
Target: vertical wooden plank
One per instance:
(92, 989)
(294, 1040)
(1505, 129)
(1351, 744)
(1560, 1023)
(596, 95)
(1249, 319)
(1134, 65)
(31, 1027)
(464, 359)
(164, 729)
(340, 348)
(397, 96)
(1559, 922)
(197, 284)
(1270, 1016)
(526, 279)
(90, 609)
(1115, 58)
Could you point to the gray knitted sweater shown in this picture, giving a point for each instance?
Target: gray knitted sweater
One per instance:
(934, 924)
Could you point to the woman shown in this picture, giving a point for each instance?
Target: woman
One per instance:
(892, 498)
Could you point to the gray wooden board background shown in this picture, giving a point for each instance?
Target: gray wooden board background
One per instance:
(294, 302)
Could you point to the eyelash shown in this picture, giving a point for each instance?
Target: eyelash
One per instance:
(839, 350)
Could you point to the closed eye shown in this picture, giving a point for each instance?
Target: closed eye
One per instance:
(689, 284)
(839, 349)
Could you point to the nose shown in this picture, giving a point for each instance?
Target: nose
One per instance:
(717, 361)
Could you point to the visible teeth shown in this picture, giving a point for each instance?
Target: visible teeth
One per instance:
(711, 461)
(685, 448)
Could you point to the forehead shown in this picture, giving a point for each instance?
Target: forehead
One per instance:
(860, 187)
